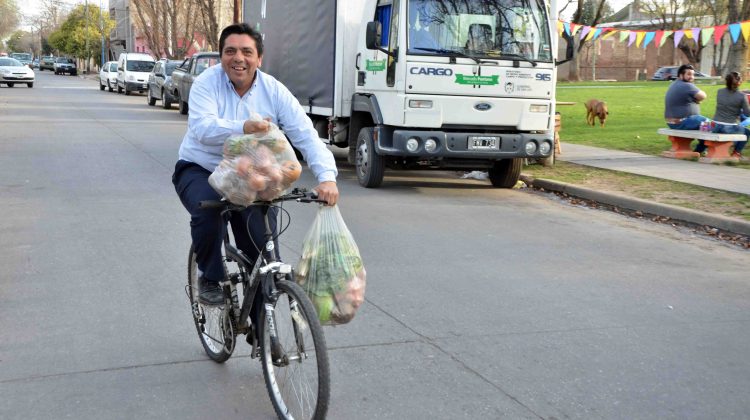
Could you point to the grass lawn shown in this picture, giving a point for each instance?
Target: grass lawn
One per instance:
(636, 111)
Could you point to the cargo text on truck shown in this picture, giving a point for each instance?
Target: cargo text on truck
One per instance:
(420, 84)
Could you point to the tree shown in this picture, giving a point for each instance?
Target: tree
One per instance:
(676, 15)
(588, 13)
(19, 41)
(209, 10)
(78, 39)
(9, 17)
(169, 25)
(736, 58)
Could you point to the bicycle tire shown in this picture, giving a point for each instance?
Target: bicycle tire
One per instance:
(291, 394)
(214, 327)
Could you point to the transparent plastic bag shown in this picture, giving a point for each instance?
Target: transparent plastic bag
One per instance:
(330, 269)
(256, 166)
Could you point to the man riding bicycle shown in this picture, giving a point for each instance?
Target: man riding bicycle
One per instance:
(222, 99)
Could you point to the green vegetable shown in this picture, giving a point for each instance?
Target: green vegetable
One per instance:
(324, 305)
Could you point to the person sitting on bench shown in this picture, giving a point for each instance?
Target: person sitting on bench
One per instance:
(730, 104)
(681, 103)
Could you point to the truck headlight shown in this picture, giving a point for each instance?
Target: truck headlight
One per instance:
(530, 148)
(538, 108)
(412, 144)
(545, 147)
(430, 145)
(419, 103)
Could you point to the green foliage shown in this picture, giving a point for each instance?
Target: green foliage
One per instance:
(75, 35)
(9, 17)
(14, 44)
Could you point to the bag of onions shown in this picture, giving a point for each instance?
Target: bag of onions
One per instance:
(256, 167)
(330, 269)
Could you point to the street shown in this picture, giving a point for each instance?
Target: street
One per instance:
(480, 302)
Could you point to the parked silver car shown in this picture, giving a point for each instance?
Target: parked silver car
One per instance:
(159, 82)
(108, 76)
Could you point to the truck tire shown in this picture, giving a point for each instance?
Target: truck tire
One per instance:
(119, 89)
(505, 173)
(183, 107)
(165, 102)
(370, 166)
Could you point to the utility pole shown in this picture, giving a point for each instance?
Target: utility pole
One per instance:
(88, 60)
(101, 31)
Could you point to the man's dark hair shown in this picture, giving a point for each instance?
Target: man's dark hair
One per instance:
(683, 68)
(733, 80)
(240, 29)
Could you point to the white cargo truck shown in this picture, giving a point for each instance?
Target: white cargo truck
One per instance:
(419, 84)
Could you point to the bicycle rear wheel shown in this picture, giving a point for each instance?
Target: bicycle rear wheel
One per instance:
(298, 379)
(213, 323)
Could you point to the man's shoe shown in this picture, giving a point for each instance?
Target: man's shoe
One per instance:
(210, 293)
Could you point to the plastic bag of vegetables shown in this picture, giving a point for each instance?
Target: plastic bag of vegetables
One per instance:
(256, 166)
(330, 269)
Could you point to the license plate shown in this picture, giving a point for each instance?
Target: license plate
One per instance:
(484, 143)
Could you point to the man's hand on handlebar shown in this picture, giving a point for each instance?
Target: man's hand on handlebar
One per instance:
(254, 126)
(327, 191)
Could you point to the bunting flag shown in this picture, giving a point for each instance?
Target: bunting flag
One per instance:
(664, 38)
(706, 35)
(639, 38)
(719, 32)
(700, 35)
(649, 37)
(745, 30)
(585, 31)
(678, 37)
(734, 31)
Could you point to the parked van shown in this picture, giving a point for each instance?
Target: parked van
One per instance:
(132, 72)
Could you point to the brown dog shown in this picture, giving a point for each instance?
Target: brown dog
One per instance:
(596, 109)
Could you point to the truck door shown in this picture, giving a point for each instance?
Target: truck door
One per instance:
(381, 70)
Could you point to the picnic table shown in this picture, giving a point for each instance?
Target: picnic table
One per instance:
(717, 145)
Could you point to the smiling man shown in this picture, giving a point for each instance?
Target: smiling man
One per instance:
(222, 99)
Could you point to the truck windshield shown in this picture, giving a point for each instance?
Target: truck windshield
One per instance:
(21, 56)
(145, 66)
(511, 29)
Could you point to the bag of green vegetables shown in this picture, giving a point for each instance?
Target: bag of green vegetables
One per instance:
(330, 269)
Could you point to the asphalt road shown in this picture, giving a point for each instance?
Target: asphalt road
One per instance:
(481, 303)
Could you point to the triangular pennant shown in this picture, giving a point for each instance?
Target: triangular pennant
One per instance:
(639, 38)
(745, 30)
(624, 35)
(659, 36)
(574, 27)
(590, 36)
(597, 32)
(688, 33)
(609, 33)
(585, 31)
(649, 36)
(678, 37)
(560, 28)
(719, 32)
(664, 38)
(706, 35)
(696, 32)
(633, 36)
(566, 25)
(734, 31)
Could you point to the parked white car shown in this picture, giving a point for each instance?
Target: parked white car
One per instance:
(108, 76)
(12, 72)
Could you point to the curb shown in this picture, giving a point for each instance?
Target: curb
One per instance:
(647, 207)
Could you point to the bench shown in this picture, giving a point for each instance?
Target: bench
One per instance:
(717, 145)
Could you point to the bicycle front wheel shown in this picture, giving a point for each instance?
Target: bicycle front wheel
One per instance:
(214, 325)
(296, 371)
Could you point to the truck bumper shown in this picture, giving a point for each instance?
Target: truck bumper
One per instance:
(392, 141)
(133, 86)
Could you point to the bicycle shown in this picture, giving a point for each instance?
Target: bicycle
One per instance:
(288, 341)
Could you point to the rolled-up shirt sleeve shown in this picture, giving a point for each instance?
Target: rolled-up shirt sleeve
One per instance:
(204, 118)
(298, 127)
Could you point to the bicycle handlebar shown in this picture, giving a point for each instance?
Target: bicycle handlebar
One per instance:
(300, 195)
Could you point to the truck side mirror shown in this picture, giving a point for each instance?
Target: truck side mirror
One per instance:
(372, 37)
(570, 50)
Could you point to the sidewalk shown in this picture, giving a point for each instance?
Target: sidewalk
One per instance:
(708, 175)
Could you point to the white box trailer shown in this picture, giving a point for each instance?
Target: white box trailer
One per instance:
(422, 84)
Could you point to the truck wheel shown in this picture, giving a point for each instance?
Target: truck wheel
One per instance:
(183, 107)
(127, 92)
(369, 165)
(150, 99)
(119, 89)
(165, 102)
(505, 173)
